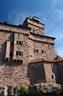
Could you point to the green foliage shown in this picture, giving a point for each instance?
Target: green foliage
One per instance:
(23, 90)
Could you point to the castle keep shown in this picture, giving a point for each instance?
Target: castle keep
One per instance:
(27, 55)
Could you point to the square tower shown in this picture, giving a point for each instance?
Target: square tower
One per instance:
(34, 23)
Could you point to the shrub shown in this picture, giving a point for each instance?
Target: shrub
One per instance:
(23, 90)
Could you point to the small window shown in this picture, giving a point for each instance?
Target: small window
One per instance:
(35, 50)
(16, 42)
(19, 53)
(16, 52)
(42, 51)
(19, 42)
(52, 76)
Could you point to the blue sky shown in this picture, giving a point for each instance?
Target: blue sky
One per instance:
(49, 11)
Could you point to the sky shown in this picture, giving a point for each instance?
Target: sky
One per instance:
(50, 13)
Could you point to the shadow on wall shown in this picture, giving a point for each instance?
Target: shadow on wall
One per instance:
(36, 73)
(58, 70)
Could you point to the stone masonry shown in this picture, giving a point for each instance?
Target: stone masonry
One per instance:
(26, 54)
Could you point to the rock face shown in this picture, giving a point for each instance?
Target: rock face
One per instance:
(26, 54)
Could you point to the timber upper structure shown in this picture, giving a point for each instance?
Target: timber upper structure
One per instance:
(27, 55)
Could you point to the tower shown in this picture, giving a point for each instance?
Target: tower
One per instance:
(34, 23)
(41, 49)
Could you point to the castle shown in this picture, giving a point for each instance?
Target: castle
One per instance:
(27, 55)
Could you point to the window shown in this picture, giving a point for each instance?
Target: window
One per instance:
(35, 50)
(42, 51)
(16, 52)
(52, 76)
(19, 53)
(16, 42)
(19, 42)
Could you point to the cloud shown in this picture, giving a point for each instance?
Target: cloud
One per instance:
(54, 24)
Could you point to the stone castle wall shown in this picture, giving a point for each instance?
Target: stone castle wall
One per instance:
(15, 68)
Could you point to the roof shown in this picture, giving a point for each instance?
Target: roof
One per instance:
(47, 60)
(58, 59)
(18, 26)
(40, 60)
(43, 35)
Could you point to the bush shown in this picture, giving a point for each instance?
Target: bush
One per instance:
(23, 90)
